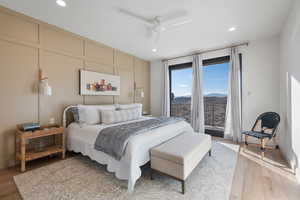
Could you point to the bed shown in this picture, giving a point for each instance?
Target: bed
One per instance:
(81, 139)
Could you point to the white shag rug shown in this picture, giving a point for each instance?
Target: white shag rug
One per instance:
(79, 178)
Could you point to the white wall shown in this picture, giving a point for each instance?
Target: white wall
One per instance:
(260, 79)
(156, 86)
(290, 88)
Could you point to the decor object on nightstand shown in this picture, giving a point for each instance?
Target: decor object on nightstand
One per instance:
(30, 126)
(25, 154)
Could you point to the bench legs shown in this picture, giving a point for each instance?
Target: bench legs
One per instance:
(182, 181)
(151, 174)
(183, 186)
(262, 148)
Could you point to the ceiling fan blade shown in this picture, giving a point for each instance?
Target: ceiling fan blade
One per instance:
(174, 16)
(156, 37)
(136, 16)
(149, 32)
(182, 22)
(177, 23)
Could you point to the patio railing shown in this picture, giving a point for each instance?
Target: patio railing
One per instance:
(214, 113)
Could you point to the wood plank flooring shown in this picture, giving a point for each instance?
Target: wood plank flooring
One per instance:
(254, 179)
(268, 179)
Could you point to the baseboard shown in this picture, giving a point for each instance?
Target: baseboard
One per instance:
(291, 163)
(297, 171)
(8, 164)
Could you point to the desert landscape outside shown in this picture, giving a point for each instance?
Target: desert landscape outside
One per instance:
(215, 89)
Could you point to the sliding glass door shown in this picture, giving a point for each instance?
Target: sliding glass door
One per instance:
(181, 90)
(215, 85)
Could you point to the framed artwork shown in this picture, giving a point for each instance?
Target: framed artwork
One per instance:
(94, 83)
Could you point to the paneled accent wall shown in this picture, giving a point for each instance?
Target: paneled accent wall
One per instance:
(125, 69)
(142, 80)
(27, 45)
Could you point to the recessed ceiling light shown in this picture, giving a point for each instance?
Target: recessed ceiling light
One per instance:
(61, 3)
(232, 29)
(154, 50)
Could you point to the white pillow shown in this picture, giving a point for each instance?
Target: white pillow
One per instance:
(92, 115)
(129, 106)
(93, 112)
(111, 117)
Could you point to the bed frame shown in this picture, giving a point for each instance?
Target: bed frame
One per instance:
(67, 115)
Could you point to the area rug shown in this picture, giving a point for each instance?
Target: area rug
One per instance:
(80, 178)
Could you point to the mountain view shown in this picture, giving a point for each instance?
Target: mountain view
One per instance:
(215, 86)
(207, 97)
(215, 95)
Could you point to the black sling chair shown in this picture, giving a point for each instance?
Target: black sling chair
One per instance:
(267, 129)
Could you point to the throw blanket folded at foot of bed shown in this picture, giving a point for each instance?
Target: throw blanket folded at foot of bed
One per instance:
(113, 140)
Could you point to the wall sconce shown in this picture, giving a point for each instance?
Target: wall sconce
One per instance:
(142, 94)
(139, 94)
(45, 88)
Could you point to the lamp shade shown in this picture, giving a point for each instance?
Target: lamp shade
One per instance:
(45, 88)
(139, 93)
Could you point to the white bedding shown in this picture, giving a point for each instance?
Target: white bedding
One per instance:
(82, 139)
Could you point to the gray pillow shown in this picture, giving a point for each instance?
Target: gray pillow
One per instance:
(78, 115)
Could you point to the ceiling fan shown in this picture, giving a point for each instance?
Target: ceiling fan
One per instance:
(159, 24)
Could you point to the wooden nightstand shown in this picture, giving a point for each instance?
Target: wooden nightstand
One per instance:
(26, 154)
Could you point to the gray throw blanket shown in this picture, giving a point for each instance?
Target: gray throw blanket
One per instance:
(113, 140)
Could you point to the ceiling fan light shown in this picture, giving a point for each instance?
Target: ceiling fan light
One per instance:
(162, 28)
(231, 29)
(61, 3)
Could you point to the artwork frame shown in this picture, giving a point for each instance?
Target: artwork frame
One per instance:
(94, 84)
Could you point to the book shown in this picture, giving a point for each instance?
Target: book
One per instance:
(31, 126)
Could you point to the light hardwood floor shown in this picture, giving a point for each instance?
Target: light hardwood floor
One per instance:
(268, 179)
(254, 179)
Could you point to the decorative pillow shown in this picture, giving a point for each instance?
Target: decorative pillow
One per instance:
(92, 115)
(130, 106)
(105, 107)
(111, 117)
(93, 112)
(78, 115)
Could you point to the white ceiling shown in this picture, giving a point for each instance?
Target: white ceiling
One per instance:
(99, 20)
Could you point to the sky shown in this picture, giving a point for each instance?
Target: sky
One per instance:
(215, 80)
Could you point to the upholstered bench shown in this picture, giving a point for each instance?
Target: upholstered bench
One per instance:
(179, 156)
